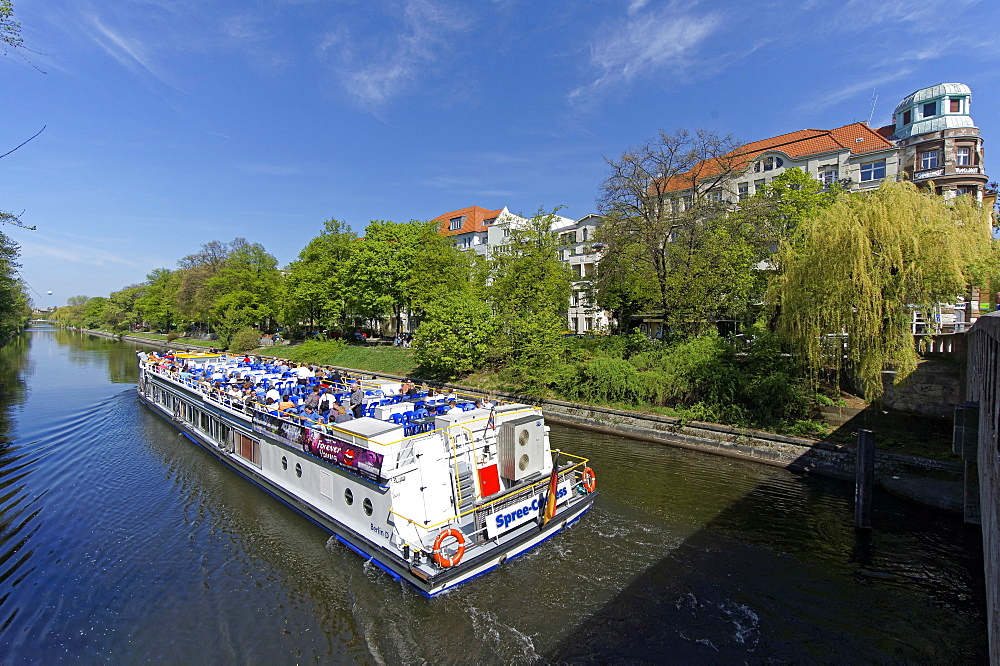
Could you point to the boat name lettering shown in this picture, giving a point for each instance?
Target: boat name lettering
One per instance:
(379, 531)
(522, 513)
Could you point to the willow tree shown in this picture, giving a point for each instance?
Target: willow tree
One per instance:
(859, 268)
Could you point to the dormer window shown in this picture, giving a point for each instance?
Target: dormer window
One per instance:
(769, 163)
(489, 221)
(455, 223)
(955, 105)
(930, 109)
(907, 117)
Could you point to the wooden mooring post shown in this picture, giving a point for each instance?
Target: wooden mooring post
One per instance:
(864, 480)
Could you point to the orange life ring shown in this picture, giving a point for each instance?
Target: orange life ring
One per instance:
(439, 556)
(589, 480)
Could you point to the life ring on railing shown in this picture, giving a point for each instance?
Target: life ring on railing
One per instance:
(589, 480)
(439, 557)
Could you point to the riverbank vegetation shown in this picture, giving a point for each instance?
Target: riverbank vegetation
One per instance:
(15, 307)
(795, 263)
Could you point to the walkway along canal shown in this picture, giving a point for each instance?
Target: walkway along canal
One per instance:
(120, 540)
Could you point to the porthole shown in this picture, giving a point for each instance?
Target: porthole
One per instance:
(367, 504)
(298, 469)
(349, 497)
(284, 462)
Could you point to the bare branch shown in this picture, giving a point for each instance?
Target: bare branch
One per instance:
(24, 142)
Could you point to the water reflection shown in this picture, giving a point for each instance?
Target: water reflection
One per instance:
(120, 540)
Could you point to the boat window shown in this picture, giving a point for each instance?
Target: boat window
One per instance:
(349, 497)
(298, 469)
(367, 504)
(284, 462)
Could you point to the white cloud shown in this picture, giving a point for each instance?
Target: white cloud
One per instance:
(635, 5)
(73, 253)
(924, 16)
(382, 67)
(645, 43)
(853, 89)
(132, 54)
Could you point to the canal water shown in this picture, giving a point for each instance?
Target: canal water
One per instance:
(121, 541)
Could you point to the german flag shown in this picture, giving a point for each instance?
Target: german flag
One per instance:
(550, 501)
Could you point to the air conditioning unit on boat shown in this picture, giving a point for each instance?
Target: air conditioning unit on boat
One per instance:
(521, 448)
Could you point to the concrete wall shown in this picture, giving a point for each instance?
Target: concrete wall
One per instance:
(938, 384)
(984, 389)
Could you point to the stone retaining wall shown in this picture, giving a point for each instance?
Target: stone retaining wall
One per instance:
(930, 482)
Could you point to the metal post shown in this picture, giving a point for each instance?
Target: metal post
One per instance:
(865, 479)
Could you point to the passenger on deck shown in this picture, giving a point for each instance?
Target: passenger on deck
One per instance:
(303, 373)
(453, 408)
(325, 400)
(312, 400)
(406, 387)
(309, 413)
(356, 400)
(285, 404)
(273, 394)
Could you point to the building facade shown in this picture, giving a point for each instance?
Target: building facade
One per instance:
(938, 143)
(478, 229)
(578, 251)
(932, 141)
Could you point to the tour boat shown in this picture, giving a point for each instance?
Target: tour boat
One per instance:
(434, 500)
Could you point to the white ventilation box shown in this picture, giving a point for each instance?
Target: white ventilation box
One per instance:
(521, 448)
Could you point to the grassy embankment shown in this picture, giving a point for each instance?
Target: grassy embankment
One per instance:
(185, 341)
(917, 440)
(918, 436)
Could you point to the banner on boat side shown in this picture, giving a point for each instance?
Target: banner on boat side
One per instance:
(283, 431)
(351, 457)
(525, 511)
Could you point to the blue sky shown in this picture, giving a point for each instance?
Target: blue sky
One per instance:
(170, 123)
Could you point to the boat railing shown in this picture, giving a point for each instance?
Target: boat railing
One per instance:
(222, 399)
(219, 397)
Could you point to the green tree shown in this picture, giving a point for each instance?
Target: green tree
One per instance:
(776, 209)
(859, 267)
(157, 305)
(317, 283)
(404, 266)
(92, 316)
(244, 290)
(623, 285)
(665, 222)
(529, 292)
(120, 313)
(14, 302)
(10, 30)
(455, 336)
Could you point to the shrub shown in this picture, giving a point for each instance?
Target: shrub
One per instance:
(456, 336)
(611, 380)
(171, 336)
(245, 339)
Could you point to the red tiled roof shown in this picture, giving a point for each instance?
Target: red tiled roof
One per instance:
(474, 216)
(858, 138)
